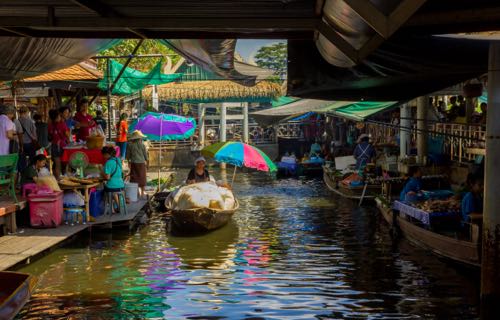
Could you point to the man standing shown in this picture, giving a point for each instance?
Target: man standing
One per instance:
(7, 128)
(29, 138)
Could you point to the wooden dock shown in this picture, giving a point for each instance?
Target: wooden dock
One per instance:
(28, 244)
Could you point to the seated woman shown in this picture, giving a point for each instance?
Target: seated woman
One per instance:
(472, 202)
(39, 163)
(112, 172)
(198, 173)
(413, 188)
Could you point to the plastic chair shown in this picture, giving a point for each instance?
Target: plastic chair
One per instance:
(8, 165)
(109, 200)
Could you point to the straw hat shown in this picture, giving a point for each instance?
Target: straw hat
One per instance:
(137, 134)
(362, 136)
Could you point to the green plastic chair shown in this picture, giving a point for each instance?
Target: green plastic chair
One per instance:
(8, 168)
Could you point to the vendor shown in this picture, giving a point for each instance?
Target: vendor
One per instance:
(472, 202)
(364, 152)
(413, 188)
(85, 122)
(112, 173)
(137, 157)
(315, 149)
(198, 173)
(37, 169)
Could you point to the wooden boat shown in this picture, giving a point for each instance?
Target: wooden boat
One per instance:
(457, 250)
(202, 219)
(15, 291)
(354, 193)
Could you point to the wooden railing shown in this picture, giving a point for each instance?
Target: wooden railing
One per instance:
(461, 142)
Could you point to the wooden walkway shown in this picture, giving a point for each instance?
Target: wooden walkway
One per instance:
(28, 244)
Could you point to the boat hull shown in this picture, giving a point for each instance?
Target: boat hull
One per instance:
(460, 251)
(15, 291)
(353, 193)
(201, 219)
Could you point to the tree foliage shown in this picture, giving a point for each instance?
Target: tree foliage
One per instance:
(273, 57)
(149, 46)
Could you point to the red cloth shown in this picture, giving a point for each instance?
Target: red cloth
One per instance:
(58, 132)
(84, 132)
(95, 155)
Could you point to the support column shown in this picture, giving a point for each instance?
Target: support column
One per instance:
(490, 271)
(404, 130)
(469, 109)
(422, 105)
(201, 124)
(245, 121)
(222, 133)
(155, 98)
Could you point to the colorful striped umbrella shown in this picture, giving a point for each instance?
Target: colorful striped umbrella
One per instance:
(239, 154)
(160, 126)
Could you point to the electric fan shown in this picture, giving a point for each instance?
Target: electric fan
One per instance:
(79, 161)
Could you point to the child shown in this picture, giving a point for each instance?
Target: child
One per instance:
(413, 188)
(473, 200)
(39, 163)
(112, 172)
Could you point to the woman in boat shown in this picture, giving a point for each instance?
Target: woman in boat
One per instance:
(364, 152)
(412, 190)
(198, 173)
(472, 202)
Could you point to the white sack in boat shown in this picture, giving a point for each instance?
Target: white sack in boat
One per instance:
(199, 195)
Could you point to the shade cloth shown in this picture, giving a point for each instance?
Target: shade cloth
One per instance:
(133, 80)
(94, 155)
(24, 57)
(359, 111)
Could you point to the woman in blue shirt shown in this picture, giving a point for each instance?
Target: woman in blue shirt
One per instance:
(112, 172)
(413, 188)
(472, 202)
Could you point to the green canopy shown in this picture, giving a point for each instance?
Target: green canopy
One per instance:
(283, 100)
(133, 80)
(359, 111)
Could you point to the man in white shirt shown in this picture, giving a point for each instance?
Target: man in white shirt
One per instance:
(7, 128)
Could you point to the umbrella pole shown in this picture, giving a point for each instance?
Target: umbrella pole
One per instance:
(159, 154)
(234, 176)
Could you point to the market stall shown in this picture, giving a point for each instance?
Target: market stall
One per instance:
(94, 155)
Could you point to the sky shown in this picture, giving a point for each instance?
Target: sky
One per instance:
(247, 48)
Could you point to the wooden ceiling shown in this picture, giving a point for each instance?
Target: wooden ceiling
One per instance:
(190, 19)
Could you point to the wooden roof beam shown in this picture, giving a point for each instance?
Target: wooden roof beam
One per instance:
(336, 39)
(402, 13)
(371, 15)
(178, 24)
(96, 6)
(18, 32)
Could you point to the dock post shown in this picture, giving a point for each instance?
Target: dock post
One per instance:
(404, 130)
(422, 105)
(222, 133)
(201, 124)
(490, 268)
(245, 121)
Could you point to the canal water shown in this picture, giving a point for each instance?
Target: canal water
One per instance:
(292, 251)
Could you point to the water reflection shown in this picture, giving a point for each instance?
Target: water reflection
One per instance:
(292, 251)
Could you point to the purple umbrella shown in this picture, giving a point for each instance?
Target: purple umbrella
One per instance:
(159, 126)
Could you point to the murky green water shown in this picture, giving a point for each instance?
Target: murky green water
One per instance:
(293, 251)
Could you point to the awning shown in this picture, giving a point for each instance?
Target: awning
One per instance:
(360, 111)
(357, 111)
(283, 100)
(288, 111)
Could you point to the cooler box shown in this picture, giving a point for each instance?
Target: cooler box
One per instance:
(96, 203)
(46, 210)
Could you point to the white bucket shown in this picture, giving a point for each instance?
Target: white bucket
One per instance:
(131, 191)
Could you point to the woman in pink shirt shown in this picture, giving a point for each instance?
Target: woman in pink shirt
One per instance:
(85, 122)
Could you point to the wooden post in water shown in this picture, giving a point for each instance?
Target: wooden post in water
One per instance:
(422, 105)
(222, 133)
(490, 268)
(245, 121)
(404, 130)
